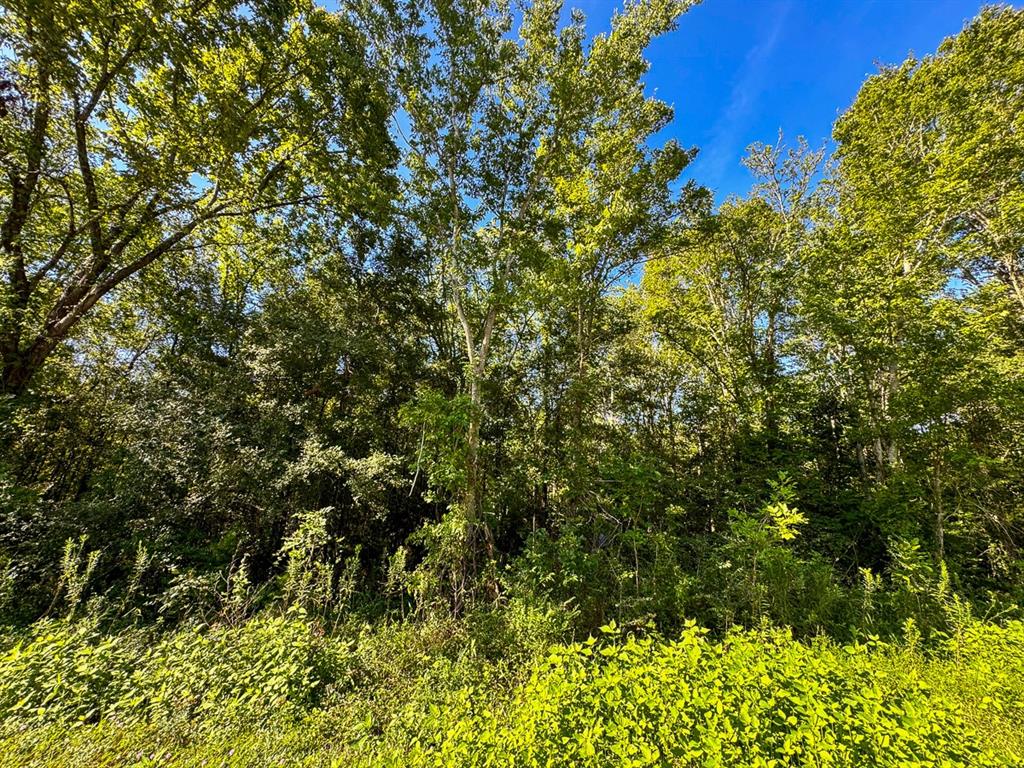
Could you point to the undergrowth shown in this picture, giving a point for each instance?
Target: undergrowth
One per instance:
(279, 690)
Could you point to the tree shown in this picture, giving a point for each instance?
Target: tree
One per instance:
(525, 152)
(933, 151)
(129, 130)
(719, 312)
(915, 297)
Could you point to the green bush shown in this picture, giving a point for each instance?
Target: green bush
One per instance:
(67, 672)
(755, 699)
(277, 691)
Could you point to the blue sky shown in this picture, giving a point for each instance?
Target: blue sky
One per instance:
(737, 71)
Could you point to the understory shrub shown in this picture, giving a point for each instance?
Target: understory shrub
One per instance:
(277, 690)
(754, 699)
(62, 671)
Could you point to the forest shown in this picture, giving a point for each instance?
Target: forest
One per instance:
(378, 388)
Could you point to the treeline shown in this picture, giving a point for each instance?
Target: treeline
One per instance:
(403, 309)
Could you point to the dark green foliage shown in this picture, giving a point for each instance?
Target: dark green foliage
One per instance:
(616, 444)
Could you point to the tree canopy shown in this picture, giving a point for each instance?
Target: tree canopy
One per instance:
(405, 308)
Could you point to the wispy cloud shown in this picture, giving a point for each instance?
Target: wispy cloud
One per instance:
(724, 149)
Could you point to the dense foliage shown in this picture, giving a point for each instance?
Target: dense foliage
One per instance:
(272, 692)
(400, 313)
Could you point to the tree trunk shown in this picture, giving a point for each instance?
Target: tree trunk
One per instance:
(471, 500)
(17, 367)
(940, 513)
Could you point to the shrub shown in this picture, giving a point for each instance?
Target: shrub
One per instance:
(275, 690)
(66, 672)
(755, 699)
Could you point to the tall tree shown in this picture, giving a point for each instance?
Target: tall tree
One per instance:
(128, 129)
(933, 151)
(915, 296)
(719, 311)
(524, 151)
